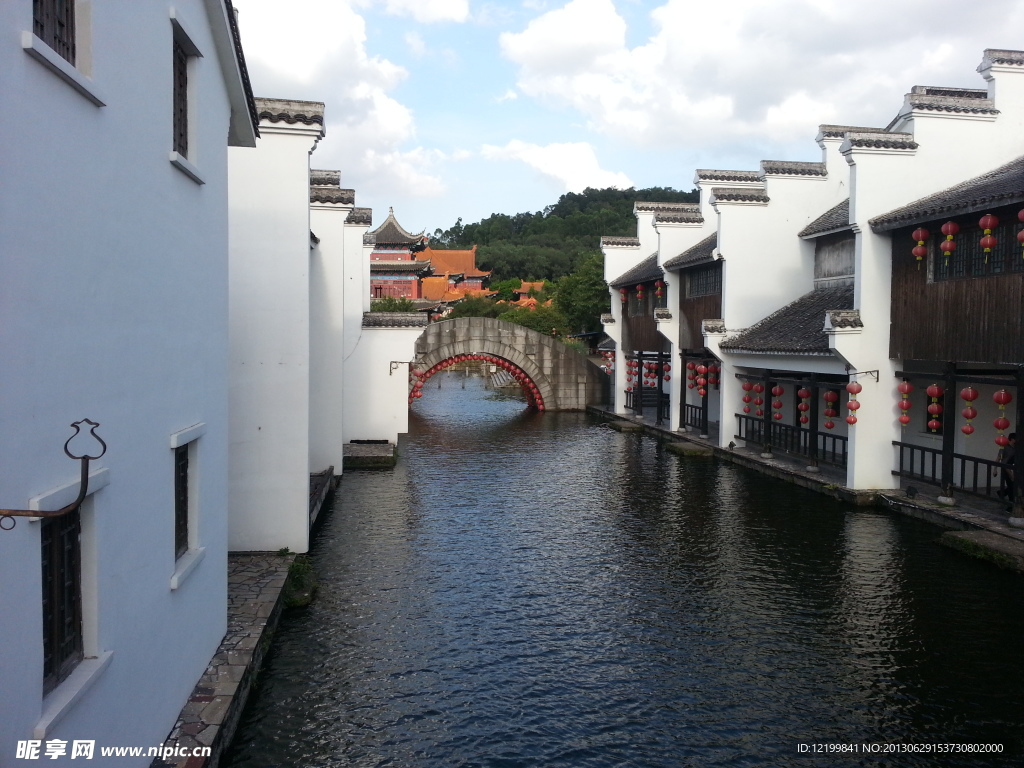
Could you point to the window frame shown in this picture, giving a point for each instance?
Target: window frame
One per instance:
(54, 22)
(60, 540)
(183, 102)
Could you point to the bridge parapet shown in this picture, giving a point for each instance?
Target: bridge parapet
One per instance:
(566, 379)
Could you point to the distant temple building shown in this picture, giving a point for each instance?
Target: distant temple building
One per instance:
(402, 265)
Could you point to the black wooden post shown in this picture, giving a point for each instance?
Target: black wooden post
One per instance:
(704, 404)
(815, 398)
(1018, 465)
(766, 415)
(661, 388)
(638, 402)
(948, 430)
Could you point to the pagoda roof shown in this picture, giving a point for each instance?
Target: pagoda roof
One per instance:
(452, 262)
(404, 265)
(393, 232)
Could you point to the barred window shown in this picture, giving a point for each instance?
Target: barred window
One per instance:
(704, 281)
(970, 260)
(180, 500)
(180, 107)
(53, 22)
(62, 597)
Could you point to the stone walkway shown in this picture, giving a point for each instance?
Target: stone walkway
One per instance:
(209, 718)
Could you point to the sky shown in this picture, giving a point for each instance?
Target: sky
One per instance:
(462, 108)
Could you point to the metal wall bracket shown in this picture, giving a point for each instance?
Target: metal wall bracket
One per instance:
(7, 521)
(395, 364)
(855, 374)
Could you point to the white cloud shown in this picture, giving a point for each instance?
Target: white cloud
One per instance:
(415, 44)
(715, 73)
(426, 11)
(368, 131)
(573, 165)
(509, 95)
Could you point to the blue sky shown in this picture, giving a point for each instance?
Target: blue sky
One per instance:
(449, 108)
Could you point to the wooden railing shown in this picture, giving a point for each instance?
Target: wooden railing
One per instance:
(970, 473)
(832, 449)
(692, 416)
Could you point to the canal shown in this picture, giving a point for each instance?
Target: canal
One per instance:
(538, 590)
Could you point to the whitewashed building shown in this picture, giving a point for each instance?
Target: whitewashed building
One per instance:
(799, 287)
(113, 241)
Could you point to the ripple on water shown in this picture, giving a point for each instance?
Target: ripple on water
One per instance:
(536, 590)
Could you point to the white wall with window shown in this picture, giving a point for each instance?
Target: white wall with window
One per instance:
(113, 307)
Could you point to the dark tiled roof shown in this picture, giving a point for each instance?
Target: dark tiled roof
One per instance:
(607, 345)
(792, 168)
(643, 272)
(291, 111)
(621, 242)
(1003, 186)
(797, 327)
(236, 40)
(360, 216)
(958, 100)
(706, 174)
(1003, 56)
(739, 195)
(320, 178)
(393, 232)
(678, 217)
(644, 205)
(700, 253)
(831, 220)
(874, 140)
(393, 319)
(399, 266)
(332, 195)
(839, 131)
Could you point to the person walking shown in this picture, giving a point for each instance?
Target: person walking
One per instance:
(1008, 459)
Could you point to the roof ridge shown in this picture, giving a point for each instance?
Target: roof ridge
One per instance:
(793, 168)
(709, 174)
(830, 131)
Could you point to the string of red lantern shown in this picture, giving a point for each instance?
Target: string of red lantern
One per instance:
(758, 401)
(831, 397)
(1020, 234)
(640, 291)
(804, 405)
(934, 391)
(624, 295)
(534, 398)
(905, 388)
(950, 229)
(1002, 399)
(969, 395)
(920, 250)
(777, 391)
(853, 404)
(658, 288)
(747, 386)
(987, 223)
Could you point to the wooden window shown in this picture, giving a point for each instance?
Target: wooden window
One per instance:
(704, 281)
(180, 107)
(62, 597)
(970, 260)
(180, 500)
(53, 22)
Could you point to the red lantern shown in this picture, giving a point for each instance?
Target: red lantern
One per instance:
(691, 366)
(747, 386)
(702, 369)
(934, 409)
(950, 229)
(777, 404)
(967, 429)
(701, 381)
(947, 247)
(854, 387)
(970, 394)
(759, 388)
(778, 391)
(1002, 398)
(804, 420)
(905, 387)
(759, 412)
(988, 242)
(934, 391)
(904, 405)
(803, 393)
(804, 407)
(758, 401)
(920, 251)
(853, 405)
(1002, 441)
(746, 409)
(831, 413)
(747, 398)
(702, 392)
(667, 377)
(904, 419)
(851, 419)
(969, 413)
(988, 222)
(666, 368)
(1001, 423)
(934, 425)
(713, 368)
(829, 424)
(830, 396)
(777, 416)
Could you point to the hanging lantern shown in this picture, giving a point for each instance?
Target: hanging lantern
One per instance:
(804, 419)
(759, 388)
(830, 398)
(702, 392)
(829, 424)
(904, 419)
(1002, 398)
(713, 368)
(905, 387)
(920, 250)
(759, 413)
(758, 401)
(747, 399)
(803, 407)
(969, 395)
(667, 377)
(746, 409)
(777, 404)
(803, 393)
(778, 391)
(640, 292)
(658, 288)
(624, 295)
(1020, 235)
(747, 386)
(691, 366)
(967, 429)
(851, 419)
(666, 368)
(950, 230)
(702, 369)
(701, 381)
(777, 416)
(934, 425)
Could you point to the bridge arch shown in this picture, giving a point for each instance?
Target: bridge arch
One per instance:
(553, 376)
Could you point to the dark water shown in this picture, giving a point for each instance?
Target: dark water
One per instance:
(539, 590)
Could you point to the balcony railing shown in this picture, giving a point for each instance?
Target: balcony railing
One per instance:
(970, 473)
(832, 449)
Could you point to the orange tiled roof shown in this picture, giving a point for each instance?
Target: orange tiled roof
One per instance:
(527, 287)
(453, 262)
(434, 288)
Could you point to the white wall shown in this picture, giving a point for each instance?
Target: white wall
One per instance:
(375, 396)
(270, 339)
(113, 307)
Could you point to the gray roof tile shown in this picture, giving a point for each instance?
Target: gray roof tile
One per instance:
(620, 242)
(739, 195)
(1002, 186)
(831, 220)
(797, 327)
(701, 253)
(707, 174)
(874, 140)
(792, 168)
(827, 131)
(643, 272)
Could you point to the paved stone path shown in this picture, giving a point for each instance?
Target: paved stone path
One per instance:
(210, 716)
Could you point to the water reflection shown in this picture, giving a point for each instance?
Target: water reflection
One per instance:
(538, 590)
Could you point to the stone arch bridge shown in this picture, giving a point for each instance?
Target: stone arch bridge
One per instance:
(553, 376)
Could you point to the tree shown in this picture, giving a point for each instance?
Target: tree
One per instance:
(542, 319)
(476, 306)
(583, 295)
(392, 304)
